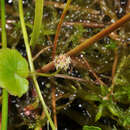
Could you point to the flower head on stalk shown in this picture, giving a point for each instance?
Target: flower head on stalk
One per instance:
(62, 62)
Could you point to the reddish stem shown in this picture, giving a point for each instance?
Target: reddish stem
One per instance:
(92, 71)
(59, 28)
(114, 65)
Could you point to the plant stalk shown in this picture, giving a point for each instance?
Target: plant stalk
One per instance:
(3, 24)
(59, 27)
(5, 93)
(37, 22)
(4, 110)
(31, 64)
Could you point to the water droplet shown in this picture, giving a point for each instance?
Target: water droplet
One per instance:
(80, 105)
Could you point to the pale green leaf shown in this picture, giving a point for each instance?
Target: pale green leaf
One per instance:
(91, 128)
(99, 113)
(13, 71)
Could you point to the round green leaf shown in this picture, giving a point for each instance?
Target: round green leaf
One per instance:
(13, 71)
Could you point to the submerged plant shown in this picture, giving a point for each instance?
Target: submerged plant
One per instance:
(91, 94)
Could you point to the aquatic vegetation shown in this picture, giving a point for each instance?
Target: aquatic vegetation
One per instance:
(78, 54)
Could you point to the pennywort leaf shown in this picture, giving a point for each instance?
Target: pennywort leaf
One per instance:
(13, 71)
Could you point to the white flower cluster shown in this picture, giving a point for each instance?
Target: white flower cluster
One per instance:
(62, 62)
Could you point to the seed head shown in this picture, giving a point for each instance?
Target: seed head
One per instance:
(62, 62)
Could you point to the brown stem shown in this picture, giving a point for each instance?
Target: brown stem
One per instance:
(40, 52)
(59, 27)
(123, 61)
(70, 77)
(91, 40)
(85, 24)
(47, 67)
(113, 73)
(114, 65)
(92, 71)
